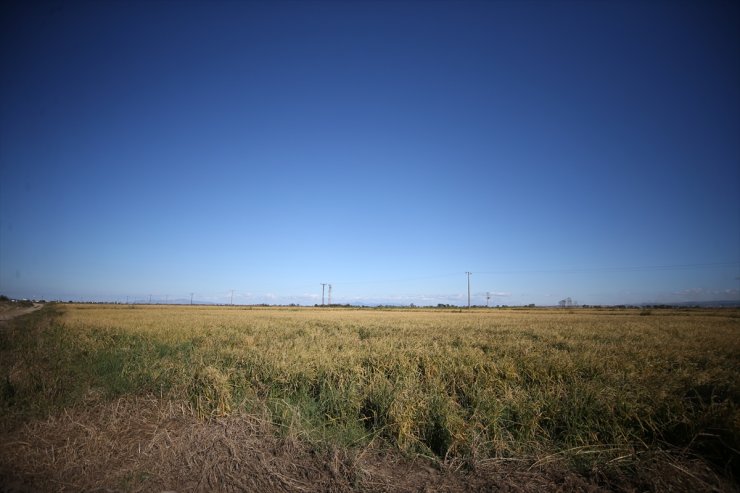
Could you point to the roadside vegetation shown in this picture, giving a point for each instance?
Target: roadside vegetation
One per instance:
(619, 399)
(6, 304)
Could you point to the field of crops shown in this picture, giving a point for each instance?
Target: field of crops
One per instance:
(593, 389)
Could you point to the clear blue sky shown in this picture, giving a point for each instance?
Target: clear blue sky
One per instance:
(555, 149)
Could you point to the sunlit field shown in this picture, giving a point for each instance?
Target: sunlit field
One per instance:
(587, 388)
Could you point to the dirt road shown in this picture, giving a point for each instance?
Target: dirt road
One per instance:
(8, 312)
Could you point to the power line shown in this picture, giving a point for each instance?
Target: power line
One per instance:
(616, 269)
(407, 279)
(578, 270)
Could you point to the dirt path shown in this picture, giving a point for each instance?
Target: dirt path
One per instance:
(9, 312)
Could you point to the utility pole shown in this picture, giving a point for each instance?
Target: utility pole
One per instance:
(232, 297)
(468, 273)
(329, 294)
(150, 299)
(323, 285)
(488, 297)
(191, 299)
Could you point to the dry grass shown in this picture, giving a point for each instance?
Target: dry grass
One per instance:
(146, 444)
(204, 398)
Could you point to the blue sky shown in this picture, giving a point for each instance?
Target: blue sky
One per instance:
(554, 149)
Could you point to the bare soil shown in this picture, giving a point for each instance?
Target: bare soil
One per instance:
(146, 444)
(9, 311)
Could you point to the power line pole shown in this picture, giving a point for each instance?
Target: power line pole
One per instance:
(468, 273)
(488, 297)
(329, 294)
(232, 297)
(150, 299)
(191, 299)
(323, 285)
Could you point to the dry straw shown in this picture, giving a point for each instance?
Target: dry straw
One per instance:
(587, 390)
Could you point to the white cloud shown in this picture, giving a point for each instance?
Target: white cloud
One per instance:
(494, 294)
(690, 292)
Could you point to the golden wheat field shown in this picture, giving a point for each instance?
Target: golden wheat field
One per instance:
(604, 394)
